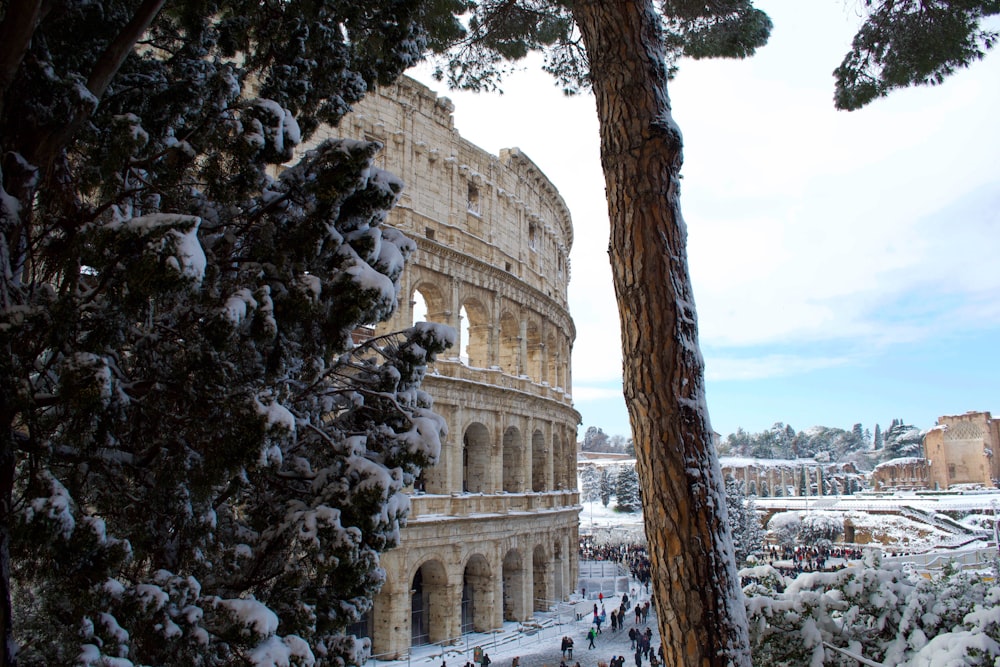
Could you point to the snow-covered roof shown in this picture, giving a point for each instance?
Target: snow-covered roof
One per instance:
(901, 461)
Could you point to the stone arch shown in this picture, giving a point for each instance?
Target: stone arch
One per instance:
(476, 448)
(513, 460)
(538, 459)
(541, 571)
(476, 331)
(477, 595)
(510, 344)
(535, 347)
(428, 603)
(432, 298)
(513, 587)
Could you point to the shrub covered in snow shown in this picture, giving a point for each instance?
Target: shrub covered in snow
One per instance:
(879, 613)
(201, 462)
(820, 528)
(784, 527)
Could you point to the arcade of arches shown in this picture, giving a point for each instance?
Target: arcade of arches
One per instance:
(493, 526)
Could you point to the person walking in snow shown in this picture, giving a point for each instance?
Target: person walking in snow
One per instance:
(631, 635)
(590, 637)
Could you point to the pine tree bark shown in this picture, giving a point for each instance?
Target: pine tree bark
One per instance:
(699, 603)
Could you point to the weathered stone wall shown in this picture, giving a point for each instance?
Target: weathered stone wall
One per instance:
(493, 531)
(783, 477)
(904, 474)
(961, 449)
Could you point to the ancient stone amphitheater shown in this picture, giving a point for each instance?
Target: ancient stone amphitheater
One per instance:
(494, 526)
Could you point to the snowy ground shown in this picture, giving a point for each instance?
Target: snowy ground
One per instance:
(537, 643)
(868, 512)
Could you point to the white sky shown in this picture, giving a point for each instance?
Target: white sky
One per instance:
(845, 265)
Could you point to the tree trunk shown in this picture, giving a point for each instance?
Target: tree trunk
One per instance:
(701, 615)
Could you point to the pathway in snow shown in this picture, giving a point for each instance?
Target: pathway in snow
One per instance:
(539, 646)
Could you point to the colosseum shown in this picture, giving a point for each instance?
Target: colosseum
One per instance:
(493, 531)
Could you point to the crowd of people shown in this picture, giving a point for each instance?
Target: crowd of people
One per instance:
(810, 558)
(635, 557)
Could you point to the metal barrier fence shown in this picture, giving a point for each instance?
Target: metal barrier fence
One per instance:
(543, 626)
(965, 558)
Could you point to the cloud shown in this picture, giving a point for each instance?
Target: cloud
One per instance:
(767, 366)
(891, 282)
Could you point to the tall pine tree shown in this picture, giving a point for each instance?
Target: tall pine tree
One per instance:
(626, 52)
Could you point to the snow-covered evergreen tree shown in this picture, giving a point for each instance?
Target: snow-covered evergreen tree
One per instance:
(902, 440)
(607, 484)
(879, 613)
(198, 465)
(590, 484)
(744, 524)
(627, 498)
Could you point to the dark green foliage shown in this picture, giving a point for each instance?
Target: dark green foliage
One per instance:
(191, 444)
(502, 32)
(902, 440)
(900, 42)
(912, 42)
(726, 29)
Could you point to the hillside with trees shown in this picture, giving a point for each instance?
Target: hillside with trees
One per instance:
(857, 445)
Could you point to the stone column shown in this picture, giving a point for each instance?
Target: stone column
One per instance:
(447, 612)
(391, 621)
(494, 333)
(522, 355)
(456, 317)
